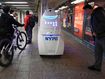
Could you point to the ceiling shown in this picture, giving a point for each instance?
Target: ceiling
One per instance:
(30, 5)
(55, 3)
(33, 4)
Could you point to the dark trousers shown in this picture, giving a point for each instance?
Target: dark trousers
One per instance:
(29, 33)
(99, 49)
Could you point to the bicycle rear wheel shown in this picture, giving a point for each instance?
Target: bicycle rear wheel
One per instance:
(21, 40)
(6, 52)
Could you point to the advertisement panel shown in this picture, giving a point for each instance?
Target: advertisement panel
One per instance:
(78, 20)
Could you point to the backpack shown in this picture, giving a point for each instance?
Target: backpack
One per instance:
(36, 19)
(32, 21)
(3, 26)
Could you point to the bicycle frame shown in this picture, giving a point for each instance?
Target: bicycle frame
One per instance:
(8, 45)
(16, 32)
(14, 39)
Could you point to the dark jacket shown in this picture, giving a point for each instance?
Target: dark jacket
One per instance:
(98, 22)
(6, 22)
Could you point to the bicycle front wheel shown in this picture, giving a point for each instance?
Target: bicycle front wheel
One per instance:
(6, 52)
(21, 40)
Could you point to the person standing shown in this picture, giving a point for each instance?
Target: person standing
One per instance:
(6, 21)
(28, 27)
(98, 31)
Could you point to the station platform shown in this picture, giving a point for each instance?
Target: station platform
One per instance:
(72, 65)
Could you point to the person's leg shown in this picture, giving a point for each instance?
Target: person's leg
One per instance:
(30, 34)
(103, 46)
(0, 45)
(98, 54)
(27, 32)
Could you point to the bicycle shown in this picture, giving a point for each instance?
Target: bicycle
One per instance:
(20, 38)
(8, 46)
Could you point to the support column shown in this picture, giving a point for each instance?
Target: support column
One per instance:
(42, 8)
(44, 5)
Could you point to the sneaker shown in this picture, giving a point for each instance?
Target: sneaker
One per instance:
(94, 68)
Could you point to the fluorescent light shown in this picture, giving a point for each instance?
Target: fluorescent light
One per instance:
(77, 1)
(20, 5)
(56, 11)
(63, 7)
(23, 7)
(16, 2)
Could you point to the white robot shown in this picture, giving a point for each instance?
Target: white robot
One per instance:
(50, 40)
